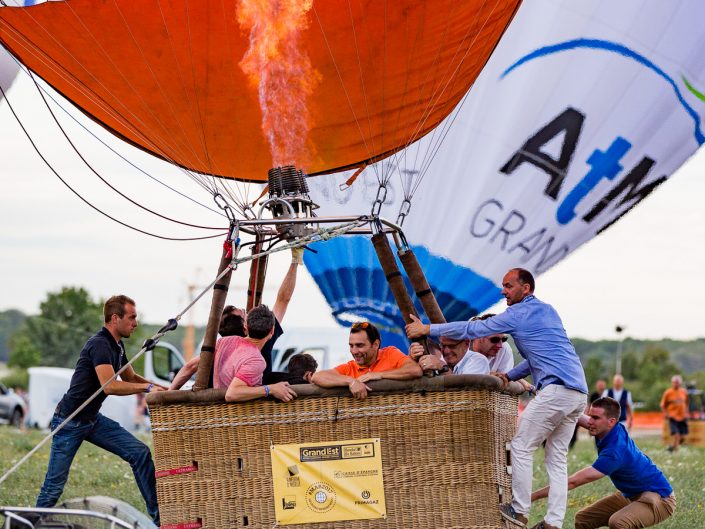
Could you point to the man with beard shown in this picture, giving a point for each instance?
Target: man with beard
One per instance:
(558, 375)
(370, 362)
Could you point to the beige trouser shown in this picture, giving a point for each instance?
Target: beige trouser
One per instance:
(550, 417)
(618, 512)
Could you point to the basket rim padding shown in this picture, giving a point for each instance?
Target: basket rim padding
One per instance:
(418, 385)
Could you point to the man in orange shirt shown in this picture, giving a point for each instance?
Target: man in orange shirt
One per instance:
(369, 363)
(674, 404)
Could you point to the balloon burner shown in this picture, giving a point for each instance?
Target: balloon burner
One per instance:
(288, 198)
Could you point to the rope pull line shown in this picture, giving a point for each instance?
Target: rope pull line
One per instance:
(379, 199)
(249, 205)
(403, 211)
(150, 343)
(322, 234)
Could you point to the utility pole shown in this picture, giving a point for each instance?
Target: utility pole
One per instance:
(188, 345)
(189, 342)
(619, 329)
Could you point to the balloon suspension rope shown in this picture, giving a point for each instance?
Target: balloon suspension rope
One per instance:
(323, 234)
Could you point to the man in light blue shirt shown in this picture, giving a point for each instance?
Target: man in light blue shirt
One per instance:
(558, 375)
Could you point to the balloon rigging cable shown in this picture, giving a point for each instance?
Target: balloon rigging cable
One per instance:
(49, 165)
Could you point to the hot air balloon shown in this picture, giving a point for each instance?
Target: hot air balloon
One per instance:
(235, 89)
(254, 91)
(203, 86)
(582, 111)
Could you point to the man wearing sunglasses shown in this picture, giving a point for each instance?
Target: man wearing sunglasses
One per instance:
(370, 362)
(550, 358)
(501, 358)
(460, 357)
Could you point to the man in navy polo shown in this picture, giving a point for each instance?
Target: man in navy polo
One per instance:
(101, 357)
(644, 496)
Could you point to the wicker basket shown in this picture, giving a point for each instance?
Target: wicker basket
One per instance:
(443, 448)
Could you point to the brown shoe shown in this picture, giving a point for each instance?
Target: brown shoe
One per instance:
(544, 525)
(509, 514)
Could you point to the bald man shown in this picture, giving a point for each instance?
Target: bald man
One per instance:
(624, 397)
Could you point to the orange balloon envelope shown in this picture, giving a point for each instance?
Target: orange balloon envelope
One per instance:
(168, 75)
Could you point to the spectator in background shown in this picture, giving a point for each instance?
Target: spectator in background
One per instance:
(600, 388)
(695, 400)
(624, 397)
(674, 404)
(21, 393)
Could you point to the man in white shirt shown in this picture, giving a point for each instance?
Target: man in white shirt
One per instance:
(497, 351)
(624, 397)
(503, 361)
(457, 357)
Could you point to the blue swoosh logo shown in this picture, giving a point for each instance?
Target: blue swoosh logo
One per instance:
(619, 49)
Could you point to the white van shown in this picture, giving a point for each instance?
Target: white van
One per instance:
(162, 363)
(48, 384)
(328, 345)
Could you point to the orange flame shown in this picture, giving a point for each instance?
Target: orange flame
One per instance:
(281, 73)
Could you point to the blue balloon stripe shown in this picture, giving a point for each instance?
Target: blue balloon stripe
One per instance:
(352, 282)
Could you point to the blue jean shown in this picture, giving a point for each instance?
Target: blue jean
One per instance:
(107, 434)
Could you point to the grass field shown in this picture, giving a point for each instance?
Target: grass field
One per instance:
(95, 472)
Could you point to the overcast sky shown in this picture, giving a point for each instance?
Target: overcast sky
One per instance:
(649, 265)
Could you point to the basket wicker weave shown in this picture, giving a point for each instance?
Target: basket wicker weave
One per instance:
(444, 451)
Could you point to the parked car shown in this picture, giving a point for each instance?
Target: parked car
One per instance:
(12, 407)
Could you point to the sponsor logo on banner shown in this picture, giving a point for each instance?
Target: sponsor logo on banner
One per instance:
(510, 229)
(333, 452)
(570, 126)
(320, 497)
(329, 481)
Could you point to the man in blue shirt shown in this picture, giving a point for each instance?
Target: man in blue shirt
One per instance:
(559, 378)
(644, 496)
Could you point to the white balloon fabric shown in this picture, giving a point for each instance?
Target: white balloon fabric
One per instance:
(8, 70)
(584, 109)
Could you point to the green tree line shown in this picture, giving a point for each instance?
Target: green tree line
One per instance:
(68, 317)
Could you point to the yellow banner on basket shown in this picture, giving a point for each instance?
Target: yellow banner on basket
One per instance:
(327, 482)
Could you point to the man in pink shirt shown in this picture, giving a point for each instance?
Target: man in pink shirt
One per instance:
(239, 364)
